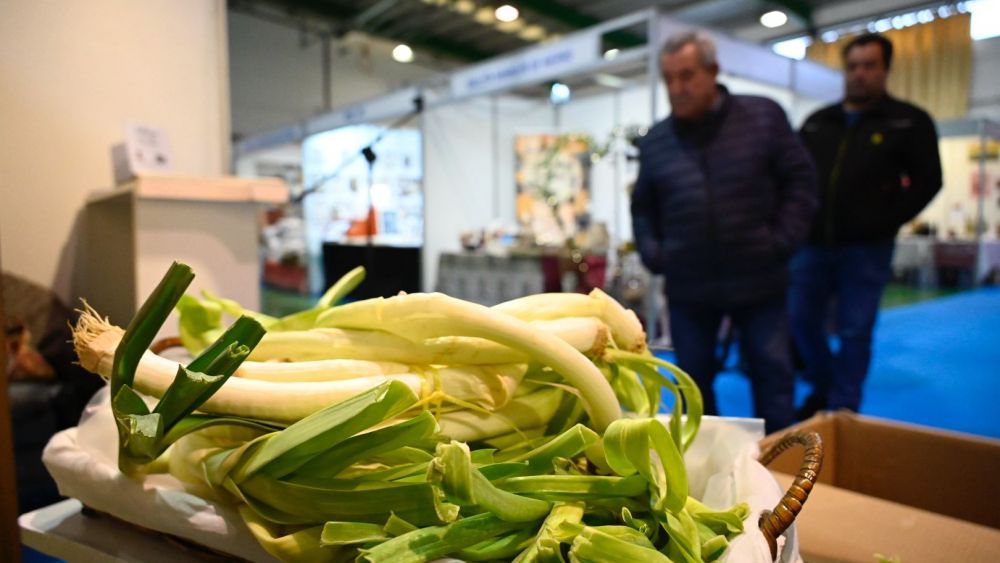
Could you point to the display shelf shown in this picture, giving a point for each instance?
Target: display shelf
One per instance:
(132, 234)
(222, 189)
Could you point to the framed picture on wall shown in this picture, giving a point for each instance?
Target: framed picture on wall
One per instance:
(553, 185)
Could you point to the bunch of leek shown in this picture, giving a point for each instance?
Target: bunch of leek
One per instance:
(450, 429)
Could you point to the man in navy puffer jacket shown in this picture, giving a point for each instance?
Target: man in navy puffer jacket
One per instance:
(725, 194)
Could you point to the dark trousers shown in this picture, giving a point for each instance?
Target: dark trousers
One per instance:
(764, 344)
(852, 277)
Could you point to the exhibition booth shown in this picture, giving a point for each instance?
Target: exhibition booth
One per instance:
(530, 153)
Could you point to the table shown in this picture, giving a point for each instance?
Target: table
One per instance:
(914, 258)
(62, 531)
(920, 257)
(490, 279)
(989, 259)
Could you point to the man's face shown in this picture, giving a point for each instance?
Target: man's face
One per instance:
(866, 73)
(690, 84)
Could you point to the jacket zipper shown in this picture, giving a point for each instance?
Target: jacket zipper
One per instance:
(831, 192)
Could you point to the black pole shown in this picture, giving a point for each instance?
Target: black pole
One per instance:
(370, 157)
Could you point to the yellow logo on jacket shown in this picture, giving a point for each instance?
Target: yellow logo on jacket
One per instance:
(877, 138)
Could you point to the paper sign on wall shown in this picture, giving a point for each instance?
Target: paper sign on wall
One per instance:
(146, 150)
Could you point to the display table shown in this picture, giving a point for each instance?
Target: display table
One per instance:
(62, 531)
(131, 235)
(489, 279)
(988, 263)
(913, 259)
(918, 258)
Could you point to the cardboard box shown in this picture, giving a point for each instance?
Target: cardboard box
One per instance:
(897, 490)
(837, 525)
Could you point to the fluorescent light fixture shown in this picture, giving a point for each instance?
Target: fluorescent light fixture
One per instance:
(774, 18)
(831, 36)
(506, 13)
(402, 53)
(611, 54)
(985, 19)
(559, 93)
(609, 80)
(794, 48)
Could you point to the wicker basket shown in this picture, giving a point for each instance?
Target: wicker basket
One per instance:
(775, 522)
(772, 524)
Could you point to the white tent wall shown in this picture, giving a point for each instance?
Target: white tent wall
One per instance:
(598, 116)
(469, 175)
(469, 179)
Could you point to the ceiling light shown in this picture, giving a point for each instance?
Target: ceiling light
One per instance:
(611, 54)
(506, 13)
(774, 18)
(484, 16)
(559, 94)
(532, 33)
(402, 53)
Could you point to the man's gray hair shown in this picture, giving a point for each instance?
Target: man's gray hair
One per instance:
(701, 41)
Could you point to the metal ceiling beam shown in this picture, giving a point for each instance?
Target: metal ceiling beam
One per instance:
(327, 10)
(578, 20)
(337, 16)
(391, 25)
(367, 15)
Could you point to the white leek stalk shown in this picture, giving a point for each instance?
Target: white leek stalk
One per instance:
(626, 330)
(430, 315)
(286, 402)
(587, 335)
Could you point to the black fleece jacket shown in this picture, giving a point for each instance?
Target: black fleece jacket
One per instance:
(875, 174)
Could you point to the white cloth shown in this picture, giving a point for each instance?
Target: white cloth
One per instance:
(723, 470)
(84, 463)
(721, 466)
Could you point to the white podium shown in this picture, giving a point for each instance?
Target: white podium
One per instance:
(133, 233)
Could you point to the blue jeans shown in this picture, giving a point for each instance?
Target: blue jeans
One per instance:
(764, 344)
(852, 277)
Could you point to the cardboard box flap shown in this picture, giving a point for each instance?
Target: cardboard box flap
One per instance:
(944, 472)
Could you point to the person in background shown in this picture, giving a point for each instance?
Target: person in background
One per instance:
(878, 165)
(724, 196)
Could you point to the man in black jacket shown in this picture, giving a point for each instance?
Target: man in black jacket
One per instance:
(878, 165)
(724, 196)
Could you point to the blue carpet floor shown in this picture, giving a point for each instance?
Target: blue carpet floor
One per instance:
(936, 363)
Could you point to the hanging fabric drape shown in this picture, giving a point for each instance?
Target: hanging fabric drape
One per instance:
(931, 64)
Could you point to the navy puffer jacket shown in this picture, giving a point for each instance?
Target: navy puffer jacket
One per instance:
(720, 205)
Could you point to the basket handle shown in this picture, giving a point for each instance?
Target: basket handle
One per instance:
(165, 344)
(774, 523)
